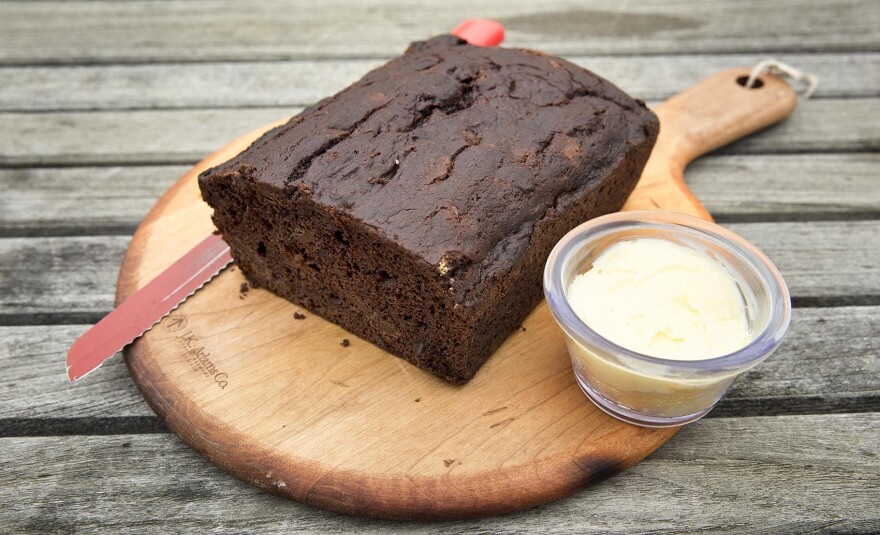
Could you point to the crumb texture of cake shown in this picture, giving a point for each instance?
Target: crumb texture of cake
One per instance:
(416, 208)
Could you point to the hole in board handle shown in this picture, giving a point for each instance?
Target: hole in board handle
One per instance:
(742, 80)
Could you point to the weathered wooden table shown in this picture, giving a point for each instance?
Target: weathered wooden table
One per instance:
(104, 104)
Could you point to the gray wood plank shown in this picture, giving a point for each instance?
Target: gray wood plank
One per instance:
(299, 83)
(34, 385)
(786, 186)
(830, 362)
(114, 31)
(818, 126)
(60, 201)
(125, 137)
(825, 261)
(821, 260)
(84, 200)
(746, 475)
(185, 136)
(60, 277)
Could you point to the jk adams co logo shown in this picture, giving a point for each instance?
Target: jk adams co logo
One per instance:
(194, 352)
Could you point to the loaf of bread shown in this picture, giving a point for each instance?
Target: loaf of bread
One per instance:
(416, 208)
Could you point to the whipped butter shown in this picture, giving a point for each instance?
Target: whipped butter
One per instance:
(662, 299)
(662, 311)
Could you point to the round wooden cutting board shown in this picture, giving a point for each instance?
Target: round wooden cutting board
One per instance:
(288, 405)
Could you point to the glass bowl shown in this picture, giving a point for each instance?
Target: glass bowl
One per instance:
(651, 391)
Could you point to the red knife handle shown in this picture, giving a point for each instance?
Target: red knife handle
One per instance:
(480, 32)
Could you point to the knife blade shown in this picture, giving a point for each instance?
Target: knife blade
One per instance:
(146, 307)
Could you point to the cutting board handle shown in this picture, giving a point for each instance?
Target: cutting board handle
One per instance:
(713, 113)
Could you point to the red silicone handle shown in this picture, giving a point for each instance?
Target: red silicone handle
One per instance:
(480, 32)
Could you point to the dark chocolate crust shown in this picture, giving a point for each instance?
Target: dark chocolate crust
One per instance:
(416, 208)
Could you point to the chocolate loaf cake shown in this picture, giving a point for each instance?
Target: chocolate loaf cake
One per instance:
(416, 208)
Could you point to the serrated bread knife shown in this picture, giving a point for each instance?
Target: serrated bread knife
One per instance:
(146, 307)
